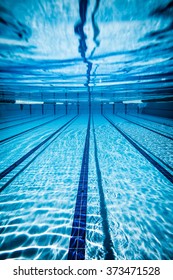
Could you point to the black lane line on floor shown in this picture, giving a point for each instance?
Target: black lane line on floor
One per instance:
(139, 116)
(77, 241)
(150, 159)
(19, 161)
(20, 133)
(20, 171)
(33, 120)
(159, 133)
(107, 243)
(144, 148)
(13, 120)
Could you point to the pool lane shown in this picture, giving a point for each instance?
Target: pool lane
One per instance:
(5, 120)
(154, 119)
(78, 233)
(13, 132)
(14, 149)
(107, 242)
(160, 129)
(159, 167)
(23, 121)
(29, 157)
(158, 145)
(37, 208)
(94, 247)
(138, 200)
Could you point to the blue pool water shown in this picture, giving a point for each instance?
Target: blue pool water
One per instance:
(86, 130)
(37, 207)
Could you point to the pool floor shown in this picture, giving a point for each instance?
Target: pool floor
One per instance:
(86, 187)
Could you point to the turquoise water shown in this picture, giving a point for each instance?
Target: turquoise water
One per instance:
(37, 207)
(86, 129)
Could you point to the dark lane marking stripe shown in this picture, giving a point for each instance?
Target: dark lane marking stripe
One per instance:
(139, 117)
(20, 171)
(19, 161)
(144, 148)
(150, 159)
(169, 137)
(77, 241)
(13, 120)
(33, 120)
(107, 243)
(20, 133)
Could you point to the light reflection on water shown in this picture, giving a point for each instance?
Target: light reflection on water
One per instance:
(114, 52)
(44, 206)
(150, 140)
(37, 208)
(44, 47)
(138, 199)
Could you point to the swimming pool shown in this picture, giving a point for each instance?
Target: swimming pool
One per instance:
(126, 208)
(86, 130)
